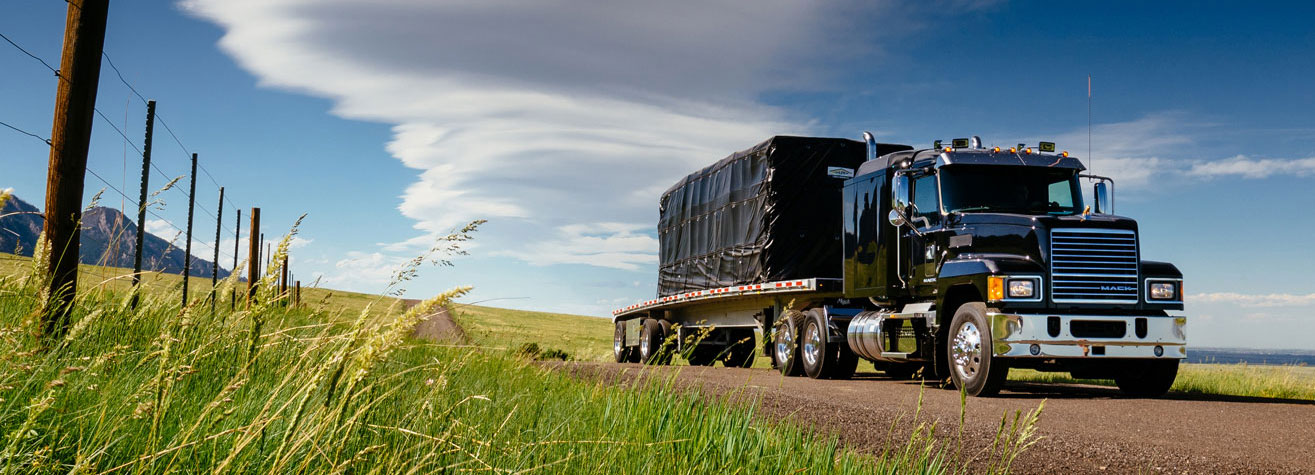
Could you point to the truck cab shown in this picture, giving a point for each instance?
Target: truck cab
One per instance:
(976, 260)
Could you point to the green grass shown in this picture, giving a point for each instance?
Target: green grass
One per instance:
(584, 338)
(93, 278)
(1262, 381)
(327, 390)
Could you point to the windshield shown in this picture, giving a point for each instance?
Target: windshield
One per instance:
(1010, 189)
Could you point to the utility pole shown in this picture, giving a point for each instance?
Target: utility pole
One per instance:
(75, 103)
(237, 236)
(214, 269)
(187, 254)
(253, 256)
(141, 200)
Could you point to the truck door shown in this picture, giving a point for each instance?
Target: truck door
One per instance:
(924, 253)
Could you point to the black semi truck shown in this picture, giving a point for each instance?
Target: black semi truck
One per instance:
(956, 262)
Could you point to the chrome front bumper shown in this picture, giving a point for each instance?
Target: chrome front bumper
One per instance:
(1029, 336)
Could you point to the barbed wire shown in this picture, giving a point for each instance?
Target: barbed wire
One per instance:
(119, 74)
(29, 53)
(24, 132)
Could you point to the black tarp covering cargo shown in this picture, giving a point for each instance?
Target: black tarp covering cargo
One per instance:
(771, 212)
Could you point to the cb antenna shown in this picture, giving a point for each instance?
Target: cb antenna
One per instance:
(1091, 161)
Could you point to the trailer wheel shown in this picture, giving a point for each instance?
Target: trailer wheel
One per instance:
(821, 358)
(619, 348)
(972, 367)
(1147, 378)
(652, 339)
(785, 343)
(740, 353)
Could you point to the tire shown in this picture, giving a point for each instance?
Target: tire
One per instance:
(619, 350)
(785, 343)
(741, 352)
(1147, 378)
(652, 338)
(821, 358)
(972, 367)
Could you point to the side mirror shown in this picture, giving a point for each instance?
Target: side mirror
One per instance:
(1104, 200)
(900, 192)
(896, 219)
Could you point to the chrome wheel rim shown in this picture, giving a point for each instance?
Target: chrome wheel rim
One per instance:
(784, 340)
(645, 348)
(616, 342)
(966, 351)
(812, 345)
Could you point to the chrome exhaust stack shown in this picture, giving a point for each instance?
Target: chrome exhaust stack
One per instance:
(871, 140)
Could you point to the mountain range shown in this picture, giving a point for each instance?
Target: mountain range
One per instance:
(108, 238)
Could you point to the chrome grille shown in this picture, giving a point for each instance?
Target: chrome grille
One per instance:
(1093, 265)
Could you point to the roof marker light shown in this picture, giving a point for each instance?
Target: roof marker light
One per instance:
(948, 150)
(1013, 150)
(1065, 154)
(1028, 151)
(995, 150)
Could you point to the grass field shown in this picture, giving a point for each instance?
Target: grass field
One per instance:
(583, 338)
(1275, 382)
(590, 339)
(339, 387)
(118, 280)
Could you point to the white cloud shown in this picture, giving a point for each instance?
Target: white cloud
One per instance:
(546, 114)
(1142, 152)
(1254, 300)
(361, 270)
(161, 228)
(613, 245)
(1248, 167)
(1130, 152)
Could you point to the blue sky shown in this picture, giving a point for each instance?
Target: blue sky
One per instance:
(389, 122)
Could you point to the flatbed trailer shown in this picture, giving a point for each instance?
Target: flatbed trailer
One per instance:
(956, 263)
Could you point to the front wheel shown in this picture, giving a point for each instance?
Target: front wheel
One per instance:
(1147, 378)
(972, 367)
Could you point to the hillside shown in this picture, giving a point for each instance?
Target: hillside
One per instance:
(108, 238)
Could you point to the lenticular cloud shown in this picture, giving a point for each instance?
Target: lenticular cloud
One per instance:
(546, 117)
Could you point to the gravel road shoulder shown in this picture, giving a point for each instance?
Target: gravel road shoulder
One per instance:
(1083, 429)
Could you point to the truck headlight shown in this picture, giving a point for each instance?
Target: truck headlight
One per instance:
(1022, 288)
(999, 287)
(1163, 290)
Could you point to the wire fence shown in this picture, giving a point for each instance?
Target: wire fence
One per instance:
(127, 199)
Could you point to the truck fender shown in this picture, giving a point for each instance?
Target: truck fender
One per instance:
(972, 271)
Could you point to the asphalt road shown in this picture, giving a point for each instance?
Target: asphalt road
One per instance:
(1083, 429)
